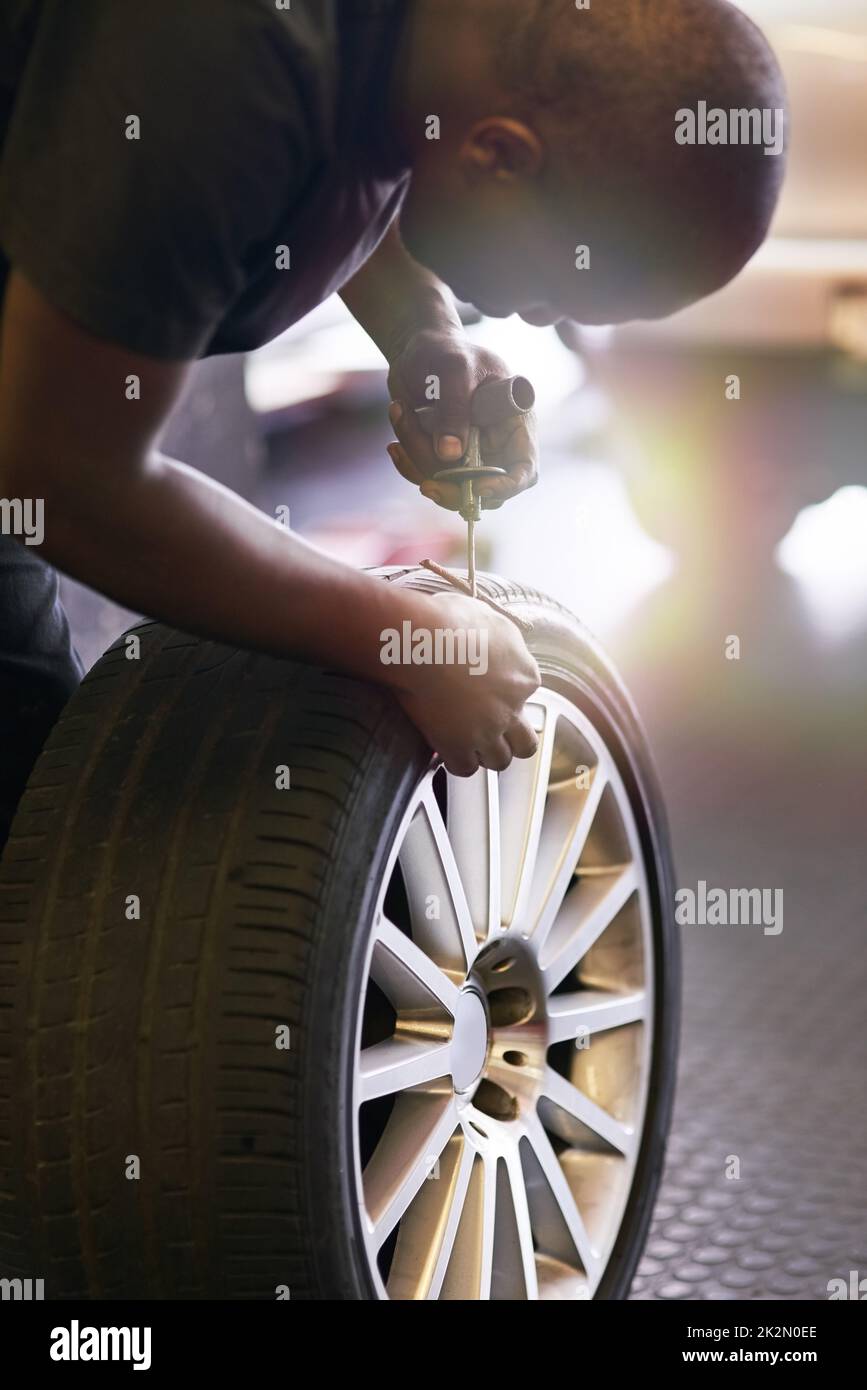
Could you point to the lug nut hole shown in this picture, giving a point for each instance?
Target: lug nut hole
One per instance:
(516, 1059)
(492, 1100)
(509, 1006)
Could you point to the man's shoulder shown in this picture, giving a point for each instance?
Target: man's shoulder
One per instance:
(257, 67)
(288, 27)
(301, 27)
(171, 136)
(230, 38)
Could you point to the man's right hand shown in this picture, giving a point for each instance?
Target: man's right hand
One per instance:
(472, 721)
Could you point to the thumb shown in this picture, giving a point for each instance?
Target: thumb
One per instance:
(450, 443)
(453, 413)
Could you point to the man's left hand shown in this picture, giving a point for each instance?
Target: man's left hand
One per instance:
(460, 368)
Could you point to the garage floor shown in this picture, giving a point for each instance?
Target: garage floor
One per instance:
(764, 767)
(774, 1053)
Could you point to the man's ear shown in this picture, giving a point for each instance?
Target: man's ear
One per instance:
(501, 148)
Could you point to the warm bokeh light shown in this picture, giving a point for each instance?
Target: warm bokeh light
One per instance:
(826, 553)
(578, 538)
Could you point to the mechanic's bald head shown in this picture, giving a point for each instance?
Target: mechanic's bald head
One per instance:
(559, 128)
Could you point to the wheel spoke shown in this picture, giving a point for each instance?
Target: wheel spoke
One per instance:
(418, 1131)
(474, 832)
(592, 1011)
(458, 1197)
(441, 921)
(526, 1254)
(400, 1063)
(408, 977)
(427, 1230)
(580, 1107)
(523, 793)
(488, 1227)
(593, 905)
(468, 1272)
(563, 869)
(562, 1195)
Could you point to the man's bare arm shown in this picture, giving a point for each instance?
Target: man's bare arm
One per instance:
(411, 317)
(149, 532)
(393, 297)
(164, 540)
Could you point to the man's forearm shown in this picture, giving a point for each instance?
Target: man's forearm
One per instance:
(170, 543)
(392, 297)
(151, 533)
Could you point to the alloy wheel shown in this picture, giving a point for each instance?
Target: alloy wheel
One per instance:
(502, 1055)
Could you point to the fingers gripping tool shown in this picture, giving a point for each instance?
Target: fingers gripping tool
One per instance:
(494, 402)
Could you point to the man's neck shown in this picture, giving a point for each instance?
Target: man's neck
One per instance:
(440, 68)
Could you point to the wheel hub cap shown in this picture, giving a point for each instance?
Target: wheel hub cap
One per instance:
(469, 1040)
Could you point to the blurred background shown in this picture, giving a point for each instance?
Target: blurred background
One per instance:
(677, 509)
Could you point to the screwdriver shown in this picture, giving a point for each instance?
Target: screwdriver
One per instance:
(493, 403)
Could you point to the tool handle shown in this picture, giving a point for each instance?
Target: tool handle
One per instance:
(493, 402)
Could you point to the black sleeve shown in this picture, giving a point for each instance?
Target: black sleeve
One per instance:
(146, 242)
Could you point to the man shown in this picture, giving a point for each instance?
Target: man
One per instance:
(188, 177)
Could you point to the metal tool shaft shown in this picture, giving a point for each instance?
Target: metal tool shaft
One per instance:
(471, 505)
(471, 557)
(493, 402)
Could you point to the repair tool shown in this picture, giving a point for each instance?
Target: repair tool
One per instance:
(493, 403)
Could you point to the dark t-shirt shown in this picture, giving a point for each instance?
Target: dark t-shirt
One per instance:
(259, 128)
